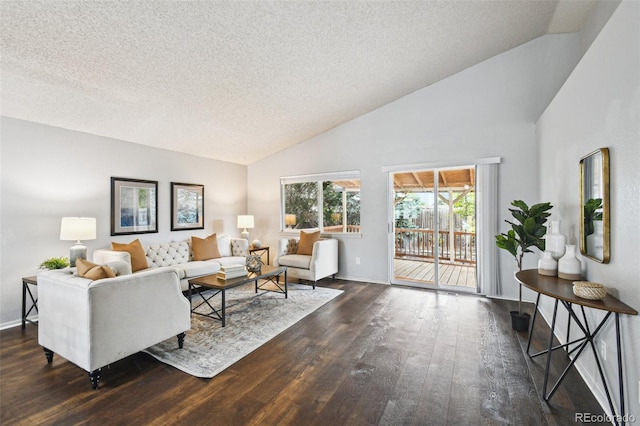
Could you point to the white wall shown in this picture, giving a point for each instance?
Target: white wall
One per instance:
(48, 173)
(599, 106)
(485, 111)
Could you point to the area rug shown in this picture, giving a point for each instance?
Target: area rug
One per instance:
(251, 321)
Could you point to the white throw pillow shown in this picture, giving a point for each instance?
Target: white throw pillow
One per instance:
(224, 245)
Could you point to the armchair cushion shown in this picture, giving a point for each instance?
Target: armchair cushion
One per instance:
(301, 261)
(135, 250)
(307, 239)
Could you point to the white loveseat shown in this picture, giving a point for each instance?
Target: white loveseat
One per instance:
(95, 323)
(179, 255)
(322, 262)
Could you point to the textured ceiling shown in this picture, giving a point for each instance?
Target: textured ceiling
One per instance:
(239, 81)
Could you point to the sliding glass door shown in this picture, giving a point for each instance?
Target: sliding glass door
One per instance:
(434, 228)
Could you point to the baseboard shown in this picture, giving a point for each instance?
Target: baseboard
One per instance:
(15, 323)
(362, 280)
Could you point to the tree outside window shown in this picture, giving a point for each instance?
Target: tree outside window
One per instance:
(334, 204)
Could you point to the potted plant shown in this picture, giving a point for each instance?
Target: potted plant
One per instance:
(54, 263)
(527, 231)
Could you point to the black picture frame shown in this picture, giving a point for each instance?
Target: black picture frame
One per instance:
(134, 206)
(187, 206)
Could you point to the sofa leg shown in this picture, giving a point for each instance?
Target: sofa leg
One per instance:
(181, 340)
(49, 354)
(333, 277)
(94, 377)
(314, 285)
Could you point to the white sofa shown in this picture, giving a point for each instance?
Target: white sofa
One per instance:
(179, 255)
(95, 323)
(320, 264)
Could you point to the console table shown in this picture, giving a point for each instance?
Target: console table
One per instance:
(26, 282)
(562, 291)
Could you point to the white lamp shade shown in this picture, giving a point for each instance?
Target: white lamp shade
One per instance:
(245, 221)
(289, 219)
(78, 228)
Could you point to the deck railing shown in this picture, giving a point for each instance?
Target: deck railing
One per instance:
(411, 242)
(341, 228)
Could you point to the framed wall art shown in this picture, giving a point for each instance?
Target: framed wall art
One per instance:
(187, 206)
(134, 206)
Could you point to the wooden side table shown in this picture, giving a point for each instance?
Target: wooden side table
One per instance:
(26, 282)
(260, 251)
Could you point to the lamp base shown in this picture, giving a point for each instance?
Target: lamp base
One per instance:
(78, 251)
(245, 234)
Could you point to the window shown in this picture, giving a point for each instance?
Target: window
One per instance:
(331, 199)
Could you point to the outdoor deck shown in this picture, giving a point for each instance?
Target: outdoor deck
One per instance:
(423, 270)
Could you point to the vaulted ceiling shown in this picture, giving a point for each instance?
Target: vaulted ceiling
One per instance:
(239, 81)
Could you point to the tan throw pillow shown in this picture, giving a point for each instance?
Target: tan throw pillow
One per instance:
(135, 250)
(305, 246)
(92, 271)
(205, 249)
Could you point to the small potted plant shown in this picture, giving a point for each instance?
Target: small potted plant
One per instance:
(54, 263)
(527, 231)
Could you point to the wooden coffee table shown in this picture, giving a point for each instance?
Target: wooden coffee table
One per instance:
(269, 273)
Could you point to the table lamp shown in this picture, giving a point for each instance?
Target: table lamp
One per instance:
(245, 221)
(77, 229)
(290, 220)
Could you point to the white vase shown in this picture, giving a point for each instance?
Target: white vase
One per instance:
(569, 266)
(548, 265)
(555, 241)
(595, 241)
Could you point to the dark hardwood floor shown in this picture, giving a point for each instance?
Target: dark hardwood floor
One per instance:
(377, 355)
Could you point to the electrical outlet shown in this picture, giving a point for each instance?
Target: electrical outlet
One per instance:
(357, 260)
(603, 349)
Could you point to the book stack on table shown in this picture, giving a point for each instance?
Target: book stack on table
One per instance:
(232, 271)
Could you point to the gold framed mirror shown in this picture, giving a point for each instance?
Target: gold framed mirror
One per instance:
(594, 205)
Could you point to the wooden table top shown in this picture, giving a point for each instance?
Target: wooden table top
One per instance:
(561, 289)
(212, 281)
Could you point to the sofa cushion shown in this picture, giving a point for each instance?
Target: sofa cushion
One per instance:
(300, 261)
(92, 271)
(232, 260)
(135, 250)
(197, 268)
(205, 248)
(307, 239)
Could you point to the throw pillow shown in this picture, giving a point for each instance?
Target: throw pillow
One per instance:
(92, 271)
(305, 246)
(224, 245)
(135, 250)
(205, 249)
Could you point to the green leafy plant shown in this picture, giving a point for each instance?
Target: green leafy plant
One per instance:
(527, 232)
(54, 263)
(592, 211)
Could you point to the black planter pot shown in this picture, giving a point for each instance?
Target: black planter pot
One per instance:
(520, 321)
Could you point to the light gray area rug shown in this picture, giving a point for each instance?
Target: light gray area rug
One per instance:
(251, 321)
